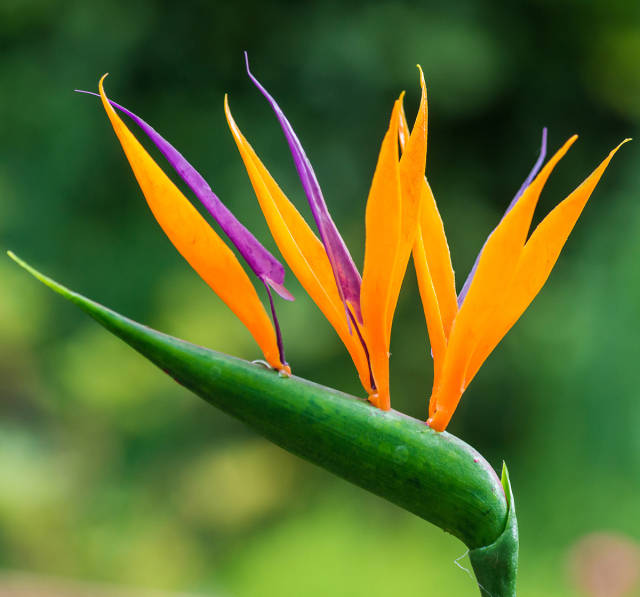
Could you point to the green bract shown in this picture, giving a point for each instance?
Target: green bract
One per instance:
(434, 475)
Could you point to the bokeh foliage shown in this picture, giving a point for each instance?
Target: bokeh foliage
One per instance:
(109, 471)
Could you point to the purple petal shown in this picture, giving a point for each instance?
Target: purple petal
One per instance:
(344, 270)
(265, 266)
(521, 190)
(532, 174)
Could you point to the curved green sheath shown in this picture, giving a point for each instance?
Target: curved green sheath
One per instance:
(434, 475)
(496, 565)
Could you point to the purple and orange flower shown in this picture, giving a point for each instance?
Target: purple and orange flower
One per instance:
(402, 221)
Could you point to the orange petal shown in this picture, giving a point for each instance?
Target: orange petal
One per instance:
(536, 262)
(381, 248)
(431, 309)
(438, 258)
(403, 125)
(435, 274)
(196, 241)
(493, 276)
(302, 250)
(412, 166)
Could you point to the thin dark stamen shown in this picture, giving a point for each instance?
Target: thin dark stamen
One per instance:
(364, 347)
(276, 325)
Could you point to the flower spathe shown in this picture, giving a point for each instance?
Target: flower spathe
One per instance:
(402, 220)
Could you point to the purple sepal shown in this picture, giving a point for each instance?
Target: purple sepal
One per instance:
(345, 272)
(532, 174)
(264, 265)
(521, 190)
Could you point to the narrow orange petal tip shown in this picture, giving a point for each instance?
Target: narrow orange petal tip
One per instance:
(436, 424)
(285, 371)
(422, 82)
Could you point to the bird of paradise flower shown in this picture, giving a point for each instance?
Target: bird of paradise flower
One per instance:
(402, 221)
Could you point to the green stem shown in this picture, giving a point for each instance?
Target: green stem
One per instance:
(434, 475)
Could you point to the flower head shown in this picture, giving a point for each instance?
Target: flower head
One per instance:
(402, 220)
(511, 269)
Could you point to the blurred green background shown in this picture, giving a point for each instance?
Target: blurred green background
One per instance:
(111, 473)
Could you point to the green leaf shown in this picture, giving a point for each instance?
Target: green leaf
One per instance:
(496, 565)
(434, 475)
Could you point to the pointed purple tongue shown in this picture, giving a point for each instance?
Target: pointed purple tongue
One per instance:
(344, 270)
(521, 190)
(264, 264)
